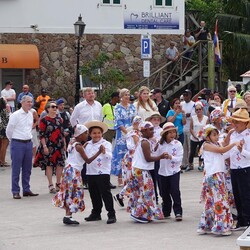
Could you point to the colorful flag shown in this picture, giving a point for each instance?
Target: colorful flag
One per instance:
(217, 45)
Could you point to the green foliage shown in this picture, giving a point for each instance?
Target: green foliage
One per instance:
(234, 27)
(207, 10)
(103, 70)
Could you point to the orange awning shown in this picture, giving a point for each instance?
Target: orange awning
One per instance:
(19, 56)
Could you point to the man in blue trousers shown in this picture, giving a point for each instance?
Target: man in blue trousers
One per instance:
(19, 134)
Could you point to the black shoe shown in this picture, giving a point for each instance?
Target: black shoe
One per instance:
(70, 221)
(112, 186)
(93, 217)
(239, 227)
(16, 196)
(25, 194)
(118, 200)
(111, 220)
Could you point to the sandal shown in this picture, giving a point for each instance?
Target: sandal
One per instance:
(52, 190)
(58, 187)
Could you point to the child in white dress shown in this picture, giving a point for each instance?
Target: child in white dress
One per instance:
(70, 196)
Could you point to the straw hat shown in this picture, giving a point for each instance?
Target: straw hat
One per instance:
(96, 123)
(240, 104)
(168, 126)
(240, 115)
(156, 114)
(80, 129)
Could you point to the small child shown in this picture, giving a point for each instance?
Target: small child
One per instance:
(142, 204)
(156, 119)
(216, 217)
(98, 172)
(132, 140)
(70, 196)
(169, 171)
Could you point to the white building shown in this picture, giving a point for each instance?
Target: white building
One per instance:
(27, 22)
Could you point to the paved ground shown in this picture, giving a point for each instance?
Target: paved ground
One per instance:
(33, 223)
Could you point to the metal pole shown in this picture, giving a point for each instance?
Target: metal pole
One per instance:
(211, 64)
(77, 83)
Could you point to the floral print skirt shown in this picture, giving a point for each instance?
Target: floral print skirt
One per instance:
(142, 202)
(71, 191)
(216, 216)
(127, 166)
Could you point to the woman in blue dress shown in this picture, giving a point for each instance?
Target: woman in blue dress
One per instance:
(123, 113)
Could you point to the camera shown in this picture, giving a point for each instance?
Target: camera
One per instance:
(208, 91)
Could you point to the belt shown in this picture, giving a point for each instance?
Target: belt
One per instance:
(23, 141)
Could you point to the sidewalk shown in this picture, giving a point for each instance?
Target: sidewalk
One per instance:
(33, 223)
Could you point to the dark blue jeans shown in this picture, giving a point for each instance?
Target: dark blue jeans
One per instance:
(21, 156)
(181, 138)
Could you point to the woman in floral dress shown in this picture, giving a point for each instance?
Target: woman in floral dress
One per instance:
(123, 113)
(51, 152)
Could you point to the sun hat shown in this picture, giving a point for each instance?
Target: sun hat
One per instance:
(205, 131)
(215, 114)
(240, 104)
(137, 118)
(240, 115)
(145, 125)
(156, 114)
(96, 123)
(80, 129)
(168, 126)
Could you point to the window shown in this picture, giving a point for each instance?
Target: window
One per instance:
(111, 1)
(163, 2)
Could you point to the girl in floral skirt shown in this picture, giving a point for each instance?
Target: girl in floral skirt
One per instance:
(132, 140)
(216, 217)
(142, 202)
(70, 197)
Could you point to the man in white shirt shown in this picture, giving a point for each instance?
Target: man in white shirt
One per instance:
(189, 108)
(240, 167)
(19, 132)
(87, 110)
(9, 94)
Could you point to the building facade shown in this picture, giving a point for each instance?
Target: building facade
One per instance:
(111, 26)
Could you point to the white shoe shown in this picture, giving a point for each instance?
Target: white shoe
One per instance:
(201, 231)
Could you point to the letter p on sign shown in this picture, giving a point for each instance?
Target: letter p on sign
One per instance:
(146, 51)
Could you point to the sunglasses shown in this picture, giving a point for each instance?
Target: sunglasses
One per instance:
(53, 106)
(232, 91)
(198, 109)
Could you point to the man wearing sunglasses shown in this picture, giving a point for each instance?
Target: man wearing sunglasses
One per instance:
(230, 103)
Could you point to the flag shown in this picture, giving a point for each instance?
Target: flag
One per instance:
(217, 45)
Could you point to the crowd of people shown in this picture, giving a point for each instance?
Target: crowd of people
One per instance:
(144, 140)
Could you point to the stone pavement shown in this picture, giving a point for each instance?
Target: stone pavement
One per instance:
(33, 223)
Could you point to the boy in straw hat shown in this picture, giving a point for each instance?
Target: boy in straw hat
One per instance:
(240, 166)
(98, 172)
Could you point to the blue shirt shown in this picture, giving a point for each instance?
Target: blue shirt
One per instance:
(178, 120)
(19, 98)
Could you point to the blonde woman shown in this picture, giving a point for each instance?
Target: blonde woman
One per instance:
(145, 106)
(123, 113)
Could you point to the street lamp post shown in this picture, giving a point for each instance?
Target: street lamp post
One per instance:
(79, 30)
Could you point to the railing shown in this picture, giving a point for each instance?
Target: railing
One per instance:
(172, 73)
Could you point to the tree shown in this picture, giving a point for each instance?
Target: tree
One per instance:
(234, 27)
(102, 71)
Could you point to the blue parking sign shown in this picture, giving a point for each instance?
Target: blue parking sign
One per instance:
(146, 51)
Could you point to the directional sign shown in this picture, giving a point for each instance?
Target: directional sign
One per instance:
(146, 50)
(146, 68)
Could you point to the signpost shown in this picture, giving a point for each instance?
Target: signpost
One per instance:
(146, 48)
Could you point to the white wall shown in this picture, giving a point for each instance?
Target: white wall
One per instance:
(58, 16)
